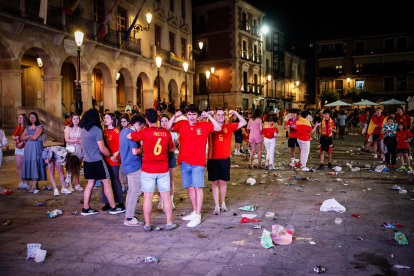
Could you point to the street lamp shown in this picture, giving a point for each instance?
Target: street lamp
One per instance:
(138, 28)
(208, 90)
(197, 52)
(265, 29)
(158, 61)
(185, 66)
(297, 83)
(348, 80)
(79, 41)
(39, 62)
(117, 76)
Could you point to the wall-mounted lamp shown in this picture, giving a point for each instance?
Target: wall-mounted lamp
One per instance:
(117, 76)
(138, 28)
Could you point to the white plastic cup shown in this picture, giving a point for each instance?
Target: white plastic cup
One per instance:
(338, 220)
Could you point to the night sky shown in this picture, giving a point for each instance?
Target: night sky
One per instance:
(306, 21)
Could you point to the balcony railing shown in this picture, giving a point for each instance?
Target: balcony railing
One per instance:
(288, 96)
(257, 58)
(76, 23)
(382, 50)
(245, 26)
(331, 54)
(256, 30)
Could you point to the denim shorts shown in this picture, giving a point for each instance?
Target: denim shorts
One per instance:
(192, 176)
(149, 180)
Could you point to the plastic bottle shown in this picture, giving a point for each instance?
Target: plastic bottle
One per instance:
(290, 229)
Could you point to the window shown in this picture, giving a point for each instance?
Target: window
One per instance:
(325, 86)
(389, 45)
(294, 71)
(244, 51)
(358, 68)
(171, 41)
(121, 22)
(359, 48)
(244, 21)
(389, 84)
(98, 10)
(202, 23)
(359, 83)
(255, 83)
(339, 47)
(402, 84)
(338, 66)
(402, 44)
(339, 86)
(172, 5)
(183, 9)
(267, 67)
(311, 45)
(245, 82)
(183, 47)
(157, 36)
(324, 48)
(202, 83)
(245, 104)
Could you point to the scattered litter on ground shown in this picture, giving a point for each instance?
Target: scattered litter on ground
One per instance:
(4, 191)
(332, 205)
(234, 166)
(7, 223)
(382, 169)
(257, 227)
(250, 208)
(312, 242)
(270, 214)
(319, 269)
(266, 240)
(150, 260)
(400, 238)
(338, 220)
(54, 213)
(74, 212)
(247, 220)
(356, 216)
(401, 266)
(396, 187)
(249, 216)
(34, 251)
(361, 239)
(392, 225)
(251, 181)
(281, 235)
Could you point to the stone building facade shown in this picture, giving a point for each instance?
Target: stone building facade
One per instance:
(25, 37)
(243, 57)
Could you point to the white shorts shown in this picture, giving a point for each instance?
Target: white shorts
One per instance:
(19, 151)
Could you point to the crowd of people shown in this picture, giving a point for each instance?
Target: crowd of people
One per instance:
(135, 152)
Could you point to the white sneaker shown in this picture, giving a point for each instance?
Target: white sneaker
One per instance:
(292, 164)
(71, 188)
(235, 151)
(223, 207)
(411, 157)
(133, 222)
(65, 191)
(172, 205)
(189, 217)
(78, 188)
(56, 192)
(195, 221)
(216, 210)
(305, 169)
(36, 191)
(375, 156)
(23, 186)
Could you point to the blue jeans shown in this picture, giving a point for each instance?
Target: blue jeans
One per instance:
(192, 176)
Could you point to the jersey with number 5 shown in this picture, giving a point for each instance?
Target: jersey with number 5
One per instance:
(156, 143)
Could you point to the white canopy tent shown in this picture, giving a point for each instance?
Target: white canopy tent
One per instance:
(338, 103)
(364, 102)
(391, 102)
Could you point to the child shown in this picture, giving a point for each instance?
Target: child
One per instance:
(403, 138)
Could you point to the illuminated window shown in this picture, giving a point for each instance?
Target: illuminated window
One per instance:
(121, 20)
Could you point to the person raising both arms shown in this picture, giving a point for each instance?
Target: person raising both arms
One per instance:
(193, 140)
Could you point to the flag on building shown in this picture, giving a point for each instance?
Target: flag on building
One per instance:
(69, 10)
(176, 60)
(128, 32)
(104, 28)
(43, 10)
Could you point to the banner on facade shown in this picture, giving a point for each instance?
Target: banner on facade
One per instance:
(176, 60)
(257, 98)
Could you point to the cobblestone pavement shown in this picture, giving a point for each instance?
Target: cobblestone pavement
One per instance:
(221, 245)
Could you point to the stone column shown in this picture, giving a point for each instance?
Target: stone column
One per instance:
(11, 87)
(87, 94)
(131, 94)
(109, 91)
(53, 95)
(148, 99)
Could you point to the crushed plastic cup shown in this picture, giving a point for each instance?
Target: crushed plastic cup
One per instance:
(403, 191)
(54, 213)
(250, 208)
(40, 255)
(338, 220)
(270, 214)
(400, 238)
(150, 260)
(31, 249)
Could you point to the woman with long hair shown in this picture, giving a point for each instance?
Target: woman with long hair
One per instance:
(111, 136)
(135, 110)
(94, 164)
(19, 150)
(33, 168)
(172, 160)
(255, 137)
(73, 138)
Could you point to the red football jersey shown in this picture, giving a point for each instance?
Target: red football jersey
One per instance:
(292, 132)
(112, 141)
(219, 143)
(156, 141)
(402, 136)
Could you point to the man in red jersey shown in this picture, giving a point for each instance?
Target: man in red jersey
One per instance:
(156, 142)
(192, 157)
(219, 150)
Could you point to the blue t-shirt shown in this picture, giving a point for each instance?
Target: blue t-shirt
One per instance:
(130, 162)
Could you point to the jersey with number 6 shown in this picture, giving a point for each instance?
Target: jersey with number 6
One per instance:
(156, 143)
(219, 142)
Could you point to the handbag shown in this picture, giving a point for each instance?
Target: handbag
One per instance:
(72, 149)
(388, 141)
